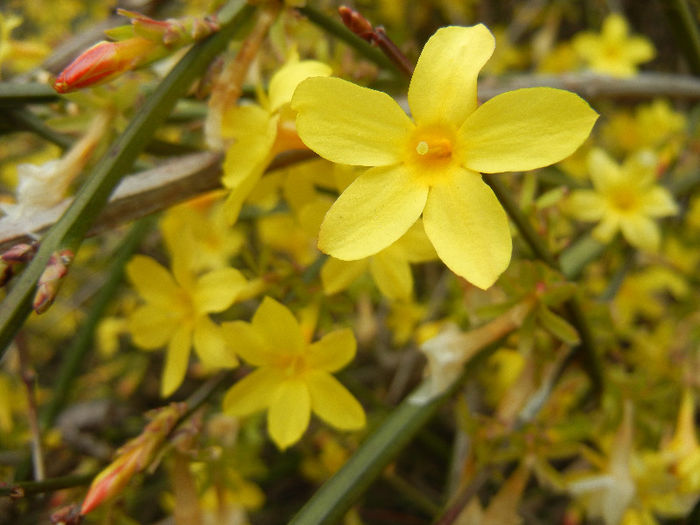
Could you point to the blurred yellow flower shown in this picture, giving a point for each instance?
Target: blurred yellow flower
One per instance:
(431, 164)
(177, 311)
(293, 377)
(390, 268)
(613, 51)
(262, 131)
(624, 198)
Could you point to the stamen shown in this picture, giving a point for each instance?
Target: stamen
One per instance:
(422, 147)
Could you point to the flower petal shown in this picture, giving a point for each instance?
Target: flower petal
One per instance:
(278, 326)
(585, 205)
(211, 346)
(246, 342)
(216, 290)
(254, 130)
(641, 232)
(603, 170)
(469, 229)
(290, 412)
(333, 351)
(176, 360)
(152, 326)
(374, 211)
(525, 129)
(288, 77)
(350, 124)
(252, 393)
(152, 282)
(392, 275)
(337, 275)
(414, 245)
(606, 228)
(658, 202)
(333, 403)
(443, 86)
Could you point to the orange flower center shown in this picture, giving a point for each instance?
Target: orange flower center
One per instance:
(431, 152)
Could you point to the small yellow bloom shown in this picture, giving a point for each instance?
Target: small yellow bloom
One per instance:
(262, 131)
(623, 198)
(390, 268)
(613, 51)
(177, 311)
(431, 164)
(293, 377)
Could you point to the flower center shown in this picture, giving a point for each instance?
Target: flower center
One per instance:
(438, 148)
(431, 153)
(293, 364)
(624, 199)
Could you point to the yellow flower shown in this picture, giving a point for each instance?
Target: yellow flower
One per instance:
(201, 228)
(390, 268)
(613, 51)
(431, 165)
(624, 198)
(176, 313)
(293, 377)
(262, 131)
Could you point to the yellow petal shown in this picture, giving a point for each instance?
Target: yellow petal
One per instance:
(337, 275)
(278, 326)
(414, 245)
(443, 87)
(246, 342)
(216, 290)
(333, 351)
(253, 393)
(607, 228)
(658, 202)
(374, 211)
(350, 124)
(603, 170)
(392, 276)
(290, 411)
(638, 49)
(332, 402)
(469, 229)
(152, 282)
(254, 131)
(525, 129)
(285, 81)
(585, 205)
(641, 232)
(152, 326)
(176, 360)
(211, 346)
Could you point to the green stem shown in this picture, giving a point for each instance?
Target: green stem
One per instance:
(26, 120)
(74, 356)
(22, 488)
(69, 231)
(685, 28)
(337, 28)
(521, 222)
(13, 94)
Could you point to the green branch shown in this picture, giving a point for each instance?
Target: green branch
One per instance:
(13, 94)
(68, 232)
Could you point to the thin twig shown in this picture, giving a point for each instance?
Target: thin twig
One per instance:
(29, 379)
